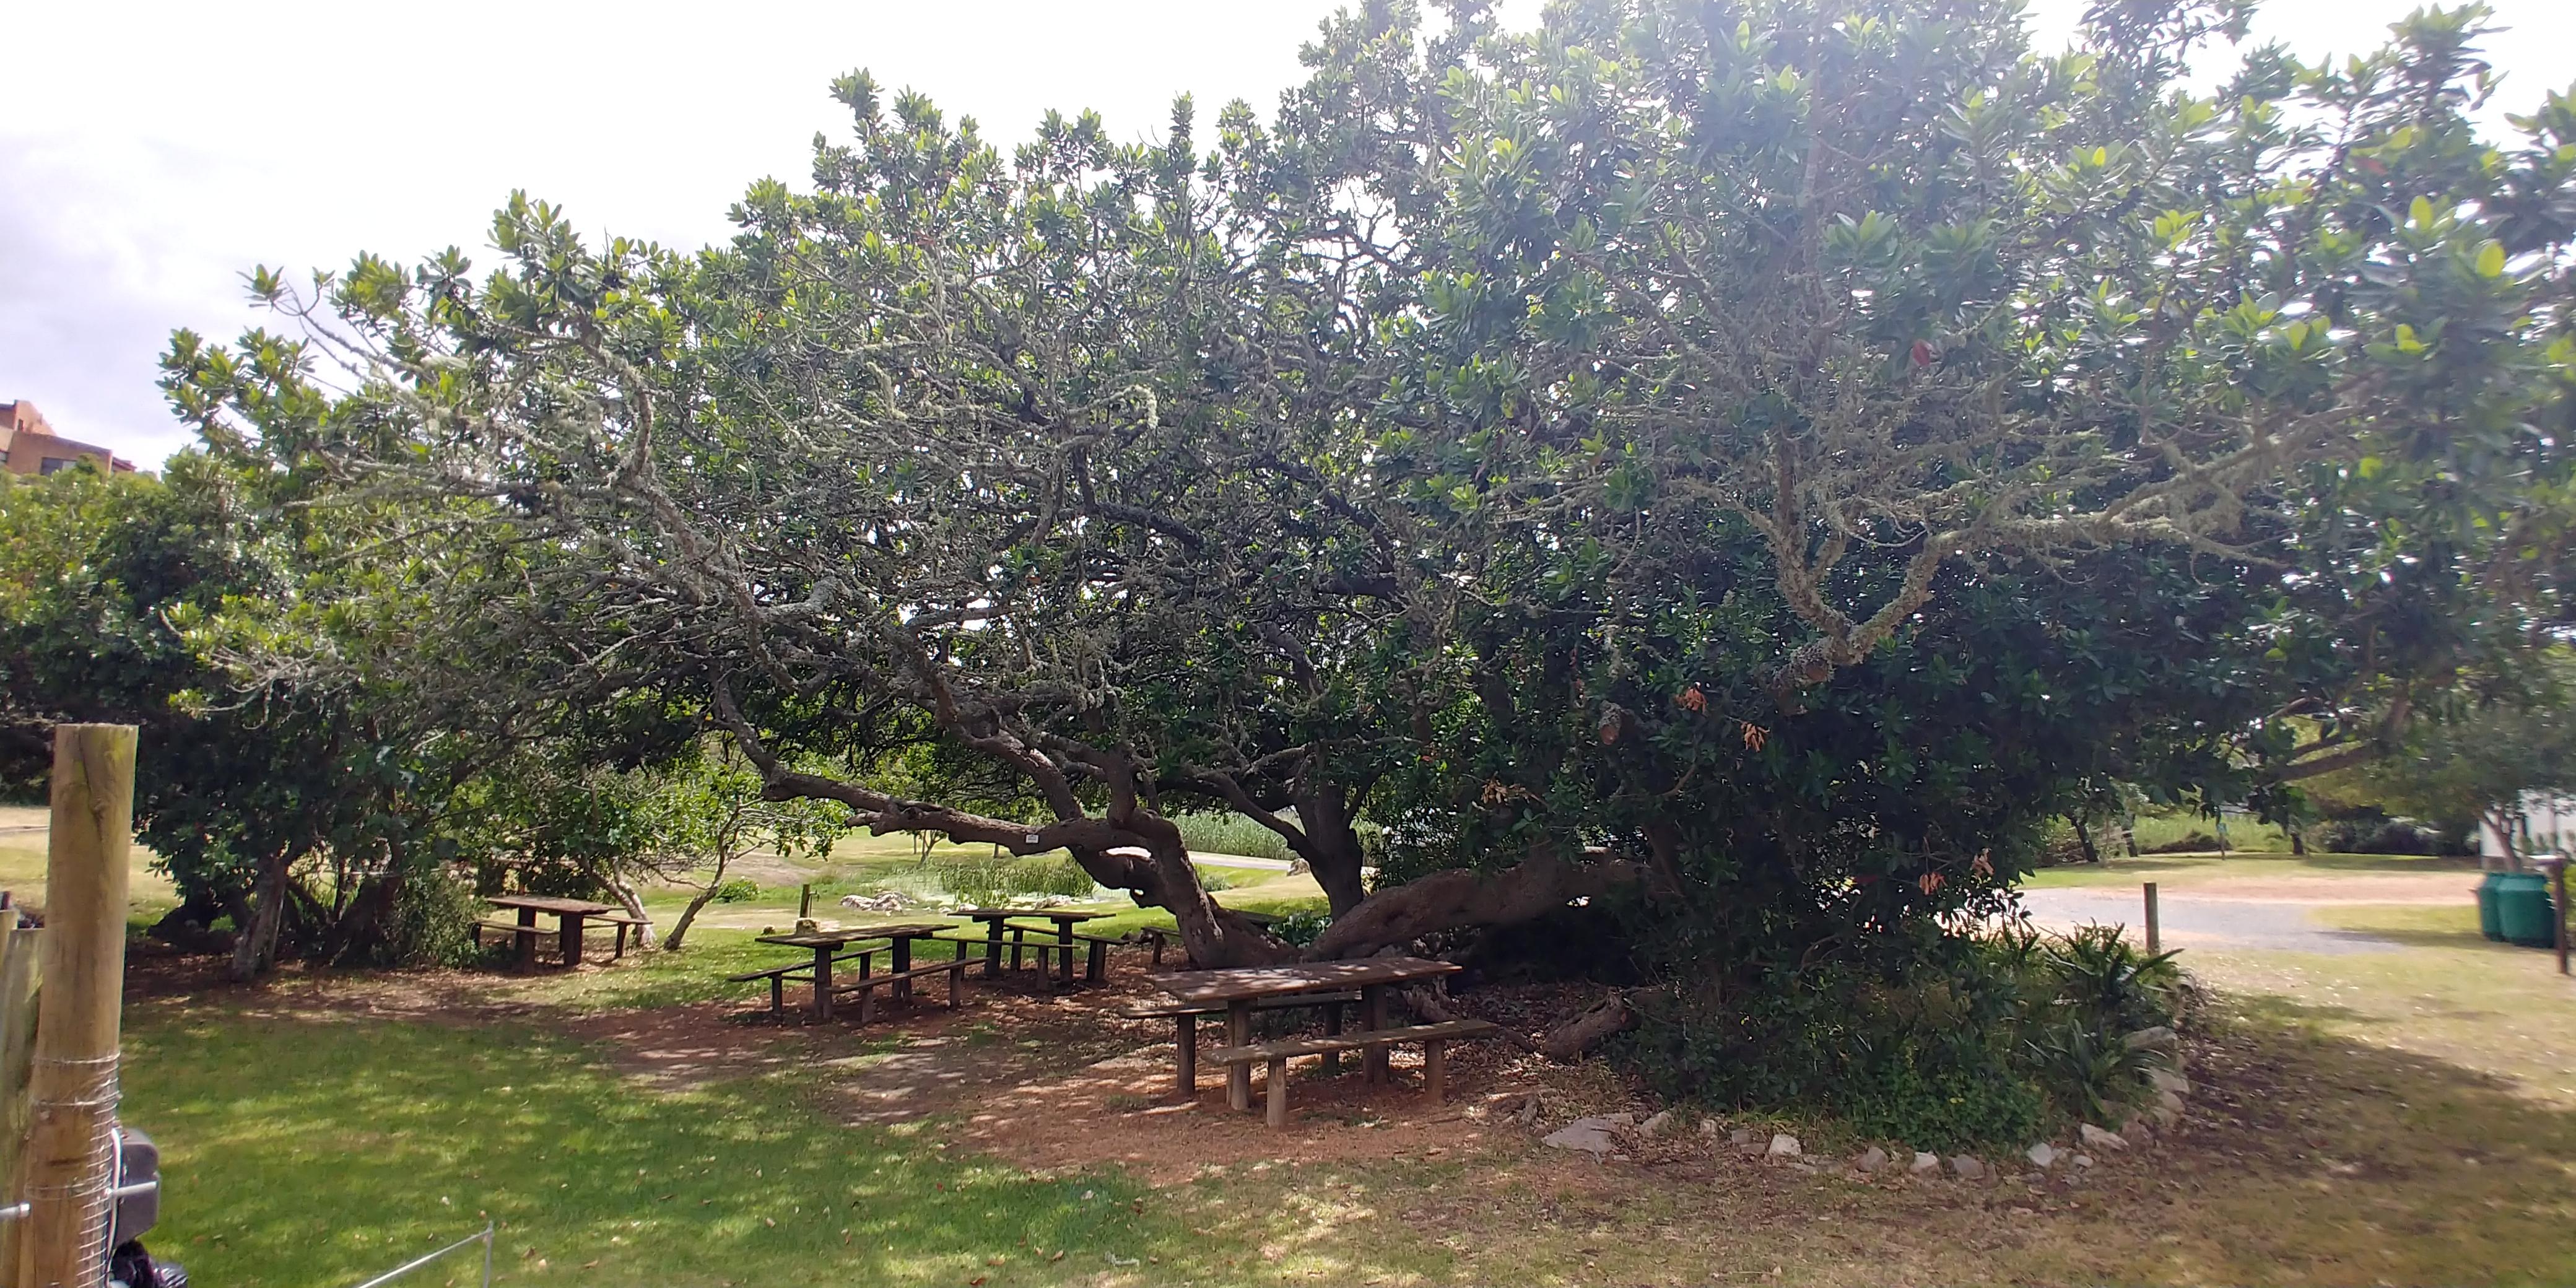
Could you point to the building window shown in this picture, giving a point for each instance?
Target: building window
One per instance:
(53, 463)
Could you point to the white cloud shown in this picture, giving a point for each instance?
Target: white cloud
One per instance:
(151, 152)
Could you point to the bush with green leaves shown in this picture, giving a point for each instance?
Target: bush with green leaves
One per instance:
(1991, 1040)
(737, 890)
(988, 881)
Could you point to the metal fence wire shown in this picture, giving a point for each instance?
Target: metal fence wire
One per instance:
(484, 1238)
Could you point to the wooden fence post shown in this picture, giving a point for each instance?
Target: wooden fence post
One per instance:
(2155, 939)
(70, 1162)
(18, 981)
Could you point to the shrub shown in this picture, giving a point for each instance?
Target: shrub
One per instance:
(1302, 927)
(2194, 841)
(738, 890)
(1047, 876)
(2108, 984)
(1232, 834)
(1942, 1109)
(986, 881)
(2376, 833)
(432, 924)
(2090, 1074)
(1952, 1042)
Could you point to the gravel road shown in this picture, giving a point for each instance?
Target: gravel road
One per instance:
(2200, 921)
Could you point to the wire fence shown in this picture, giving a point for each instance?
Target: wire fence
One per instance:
(484, 1237)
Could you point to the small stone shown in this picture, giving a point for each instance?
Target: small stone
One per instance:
(1966, 1168)
(2169, 1082)
(1591, 1135)
(2042, 1155)
(1623, 1120)
(2169, 1101)
(2083, 1161)
(1783, 1145)
(1529, 1111)
(2100, 1138)
(2164, 1119)
(2158, 1038)
(1659, 1123)
(1871, 1159)
(1743, 1136)
(1924, 1163)
(1708, 1128)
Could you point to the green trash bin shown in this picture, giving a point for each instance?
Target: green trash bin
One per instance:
(2523, 911)
(2488, 923)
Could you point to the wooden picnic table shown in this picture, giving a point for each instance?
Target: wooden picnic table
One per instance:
(1238, 988)
(569, 914)
(827, 944)
(995, 919)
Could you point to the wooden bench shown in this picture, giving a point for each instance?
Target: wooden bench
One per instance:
(527, 933)
(624, 923)
(800, 972)
(1021, 948)
(1095, 962)
(1185, 1036)
(867, 985)
(1433, 1037)
(527, 945)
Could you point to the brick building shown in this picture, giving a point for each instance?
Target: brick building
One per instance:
(29, 446)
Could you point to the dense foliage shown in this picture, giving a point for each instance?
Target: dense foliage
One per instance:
(1709, 481)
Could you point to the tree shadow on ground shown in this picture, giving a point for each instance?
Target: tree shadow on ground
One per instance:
(316, 1147)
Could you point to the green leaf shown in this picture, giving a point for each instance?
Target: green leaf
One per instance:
(2491, 260)
(2421, 212)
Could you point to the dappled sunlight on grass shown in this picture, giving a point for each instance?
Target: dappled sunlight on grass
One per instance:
(355, 1145)
(2486, 1007)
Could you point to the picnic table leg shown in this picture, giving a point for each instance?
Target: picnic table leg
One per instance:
(1095, 967)
(1278, 1115)
(1435, 1070)
(822, 984)
(1238, 1075)
(1332, 1029)
(1019, 936)
(527, 938)
(902, 958)
(1186, 1039)
(993, 951)
(570, 939)
(1064, 940)
(1373, 1018)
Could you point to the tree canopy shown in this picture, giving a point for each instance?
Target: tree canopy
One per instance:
(1732, 467)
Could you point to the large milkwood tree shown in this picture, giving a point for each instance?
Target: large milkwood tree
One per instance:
(1766, 453)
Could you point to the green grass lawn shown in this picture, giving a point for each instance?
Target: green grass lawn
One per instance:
(357, 1144)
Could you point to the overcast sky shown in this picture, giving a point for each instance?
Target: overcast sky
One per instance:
(149, 153)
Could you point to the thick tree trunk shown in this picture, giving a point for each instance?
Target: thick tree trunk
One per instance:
(1542, 883)
(1568, 1041)
(2084, 839)
(2501, 822)
(1332, 846)
(705, 895)
(633, 902)
(1212, 933)
(255, 947)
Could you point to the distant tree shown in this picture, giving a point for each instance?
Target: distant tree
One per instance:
(713, 816)
(2482, 759)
